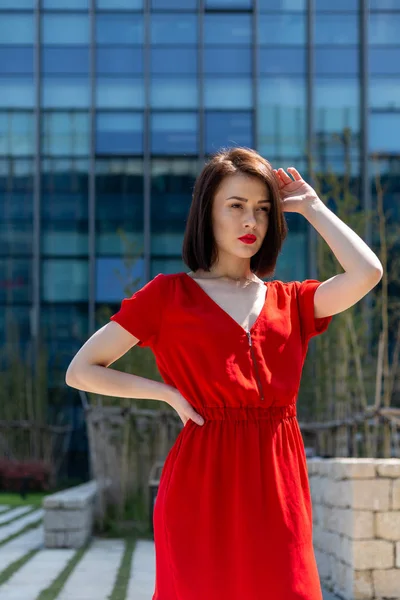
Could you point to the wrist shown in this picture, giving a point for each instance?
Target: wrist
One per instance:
(312, 207)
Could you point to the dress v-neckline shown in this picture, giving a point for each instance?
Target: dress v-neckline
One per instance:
(208, 297)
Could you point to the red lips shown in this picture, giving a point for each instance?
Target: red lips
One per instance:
(250, 238)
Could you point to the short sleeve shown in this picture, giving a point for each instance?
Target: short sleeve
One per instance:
(141, 314)
(310, 326)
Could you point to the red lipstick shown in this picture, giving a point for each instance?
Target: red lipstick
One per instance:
(248, 239)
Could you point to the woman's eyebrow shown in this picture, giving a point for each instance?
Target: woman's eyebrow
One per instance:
(246, 200)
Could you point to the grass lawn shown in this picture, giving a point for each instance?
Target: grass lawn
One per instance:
(14, 499)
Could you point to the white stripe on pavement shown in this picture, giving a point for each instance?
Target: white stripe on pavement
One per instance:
(12, 514)
(142, 581)
(16, 526)
(94, 576)
(20, 546)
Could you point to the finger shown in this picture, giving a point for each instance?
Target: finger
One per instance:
(295, 173)
(278, 178)
(197, 419)
(285, 177)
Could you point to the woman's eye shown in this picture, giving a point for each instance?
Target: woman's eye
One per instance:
(264, 208)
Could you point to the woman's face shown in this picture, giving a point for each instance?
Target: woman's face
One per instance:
(241, 206)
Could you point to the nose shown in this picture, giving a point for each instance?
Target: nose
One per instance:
(250, 219)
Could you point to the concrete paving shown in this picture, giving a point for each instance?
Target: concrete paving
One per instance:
(16, 512)
(18, 547)
(94, 576)
(15, 526)
(3, 507)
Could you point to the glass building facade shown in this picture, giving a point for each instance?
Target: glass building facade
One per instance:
(109, 108)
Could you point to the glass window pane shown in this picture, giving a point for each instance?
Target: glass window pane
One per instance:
(228, 92)
(17, 92)
(17, 30)
(282, 116)
(384, 28)
(385, 61)
(168, 92)
(384, 93)
(174, 60)
(65, 29)
(231, 4)
(16, 270)
(65, 280)
(336, 29)
(17, 4)
(230, 60)
(336, 61)
(124, 30)
(384, 4)
(67, 92)
(65, 134)
(225, 29)
(384, 133)
(16, 60)
(228, 129)
(17, 133)
(119, 61)
(174, 133)
(119, 133)
(336, 92)
(120, 93)
(173, 29)
(288, 30)
(110, 275)
(120, 4)
(282, 61)
(338, 5)
(65, 4)
(57, 61)
(282, 5)
(174, 4)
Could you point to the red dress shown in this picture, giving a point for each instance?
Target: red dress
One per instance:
(233, 515)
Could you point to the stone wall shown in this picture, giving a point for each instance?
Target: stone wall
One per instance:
(356, 526)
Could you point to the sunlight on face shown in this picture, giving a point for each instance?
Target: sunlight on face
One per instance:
(233, 218)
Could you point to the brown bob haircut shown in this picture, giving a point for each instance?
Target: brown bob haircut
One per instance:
(199, 250)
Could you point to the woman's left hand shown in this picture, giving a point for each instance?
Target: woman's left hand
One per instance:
(297, 195)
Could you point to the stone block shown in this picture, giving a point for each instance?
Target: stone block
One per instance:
(353, 468)
(373, 554)
(371, 494)
(362, 585)
(58, 519)
(363, 525)
(387, 525)
(396, 495)
(388, 467)
(387, 583)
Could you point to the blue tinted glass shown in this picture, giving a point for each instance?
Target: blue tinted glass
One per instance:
(17, 92)
(59, 30)
(282, 61)
(384, 28)
(67, 92)
(17, 280)
(384, 93)
(174, 133)
(65, 280)
(336, 61)
(17, 4)
(119, 133)
(227, 29)
(168, 92)
(282, 116)
(120, 4)
(232, 61)
(16, 60)
(65, 60)
(384, 61)
(17, 30)
(174, 60)
(119, 93)
(110, 286)
(336, 29)
(282, 5)
(336, 92)
(228, 92)
(65, 4)
(338, 5)
(119, 61)
(228, 129)
(119, 29)
(384, 133)
(174, 4)
(173, 29)
(288, 30)
(384, 4)
(231, 4)
(17, 133)
(65, 134)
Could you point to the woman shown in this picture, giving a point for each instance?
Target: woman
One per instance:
(233, 519)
